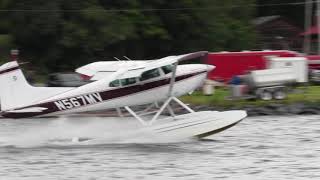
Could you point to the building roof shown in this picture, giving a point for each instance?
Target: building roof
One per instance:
(264, 19)
(311, 31)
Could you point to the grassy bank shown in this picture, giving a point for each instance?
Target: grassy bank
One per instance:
(308, 94)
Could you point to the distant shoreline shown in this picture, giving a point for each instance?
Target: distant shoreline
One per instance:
(270, 109)
(303, 100)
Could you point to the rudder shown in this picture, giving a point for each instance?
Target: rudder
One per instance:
(14, 90)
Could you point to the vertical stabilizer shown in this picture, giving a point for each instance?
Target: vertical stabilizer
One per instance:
(15, 91)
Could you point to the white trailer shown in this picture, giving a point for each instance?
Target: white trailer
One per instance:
(299, 65)
(272, 77)
(272, 82)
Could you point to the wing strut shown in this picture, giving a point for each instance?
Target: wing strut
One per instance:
(173, 79)
(171, 95)
(143, 122)
(166, 104)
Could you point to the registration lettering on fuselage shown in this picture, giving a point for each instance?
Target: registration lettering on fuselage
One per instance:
(78, 101)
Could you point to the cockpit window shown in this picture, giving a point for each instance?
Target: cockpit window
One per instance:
(167, 69)
(115, 83)
(150, 74)
(153, 73)
(122, 82)
(128, 81)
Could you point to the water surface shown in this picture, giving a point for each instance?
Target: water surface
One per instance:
(272, 147)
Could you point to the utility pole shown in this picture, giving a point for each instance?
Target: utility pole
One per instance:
(318, 24)
(307, 24)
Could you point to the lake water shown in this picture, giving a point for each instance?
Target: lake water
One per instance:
(271, 147)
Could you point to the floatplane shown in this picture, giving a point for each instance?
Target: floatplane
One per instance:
(121, 85)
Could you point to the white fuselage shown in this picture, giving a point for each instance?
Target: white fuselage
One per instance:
(117, 84)
(138, 94)
(107, 94)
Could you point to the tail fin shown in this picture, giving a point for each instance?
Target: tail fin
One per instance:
(16, 92)
(14, 88)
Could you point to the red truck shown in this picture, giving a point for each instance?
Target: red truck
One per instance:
(230, 64)
(314, 61)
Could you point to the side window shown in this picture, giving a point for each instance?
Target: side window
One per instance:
(115, 83)
(128, 81)
(149, 74)
(167, 69)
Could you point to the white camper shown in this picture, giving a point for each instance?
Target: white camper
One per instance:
(272, 82)
(299, 66)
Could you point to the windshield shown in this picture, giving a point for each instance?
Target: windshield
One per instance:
(167, 69)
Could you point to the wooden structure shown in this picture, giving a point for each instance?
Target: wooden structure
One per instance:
(277, 32)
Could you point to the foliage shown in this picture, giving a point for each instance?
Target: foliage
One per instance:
(60, 35)
(6, 43)
(308, 94)
(294, 12)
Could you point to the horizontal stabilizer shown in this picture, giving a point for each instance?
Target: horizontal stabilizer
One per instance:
(26, 110)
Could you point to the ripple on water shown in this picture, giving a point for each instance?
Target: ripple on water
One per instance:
(271, 147)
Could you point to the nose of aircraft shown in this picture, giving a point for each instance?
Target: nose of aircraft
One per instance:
(210, 68)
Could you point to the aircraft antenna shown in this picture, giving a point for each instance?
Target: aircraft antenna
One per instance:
(117, 59)
(127, 58)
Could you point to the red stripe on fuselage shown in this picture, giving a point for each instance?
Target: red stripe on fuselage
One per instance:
(9, 70)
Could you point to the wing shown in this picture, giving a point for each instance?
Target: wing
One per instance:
(99, 70)
(170, 60)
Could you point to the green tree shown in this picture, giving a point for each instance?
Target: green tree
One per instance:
(285, 8)
(61, 35)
